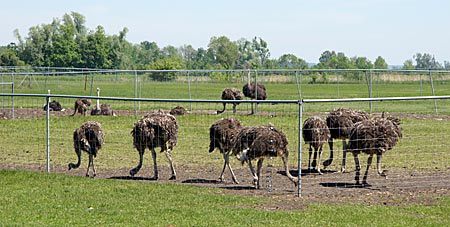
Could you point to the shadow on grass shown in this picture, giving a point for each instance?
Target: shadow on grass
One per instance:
(237, 188)
(305, 172)
(344, 185)
(133, 178)
(200, 181)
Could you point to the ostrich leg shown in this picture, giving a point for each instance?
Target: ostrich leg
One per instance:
(328, 162)
(258, 171)
(309, 157)
(91, 162)
(141, 157)
(369, 163)
(74, 166)
(169, 156)
(318, 161)
(380, 172)
(286, 168)
(255, 177)
(344, 155)
(226, 157)
(234, 107)
(357, 167)
(155, 166)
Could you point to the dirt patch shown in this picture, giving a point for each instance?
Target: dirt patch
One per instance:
(402, 188)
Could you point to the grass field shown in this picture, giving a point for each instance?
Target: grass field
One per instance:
(40, 199)
(30, 198)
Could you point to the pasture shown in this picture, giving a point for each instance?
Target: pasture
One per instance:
(415, 193)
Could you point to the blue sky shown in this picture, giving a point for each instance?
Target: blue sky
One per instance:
(393, 29)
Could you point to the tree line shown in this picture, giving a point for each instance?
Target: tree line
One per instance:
(67, 42)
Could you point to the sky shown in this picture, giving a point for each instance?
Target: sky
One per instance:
(392, 29)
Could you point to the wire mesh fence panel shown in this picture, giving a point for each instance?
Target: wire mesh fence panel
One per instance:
(418, 160)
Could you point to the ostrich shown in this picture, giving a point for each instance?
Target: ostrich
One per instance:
(221, 135)
(231, 94)
(258, 142)
(340, 121)
(254, 91)
(178, 110)
(103, 109)
(156, 129)
(54, 106)
(89, 138)
(374, 136)
(81, 106)
(316, 134)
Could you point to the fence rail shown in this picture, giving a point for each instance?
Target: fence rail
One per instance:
(24, 146)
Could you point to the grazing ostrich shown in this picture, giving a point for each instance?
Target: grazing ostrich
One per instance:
(103, 109)
(221, 135)
(54, 106)
(81, 106)
(156, 129)
(254, 91)
(340, 122)
(178, 110)
(231, 94)
(316, 134)
(374, 136)
(89, 138)
(259, 142)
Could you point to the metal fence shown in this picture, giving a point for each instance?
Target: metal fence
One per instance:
(42, 140)
(39, 140)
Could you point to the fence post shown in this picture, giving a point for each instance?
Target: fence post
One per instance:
(432, 91)
(47, 122)
(299, 161)
(189, 91)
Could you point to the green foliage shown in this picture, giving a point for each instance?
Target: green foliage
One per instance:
(223, 52)
(68, 43)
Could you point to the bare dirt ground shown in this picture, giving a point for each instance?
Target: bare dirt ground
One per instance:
(402, 187)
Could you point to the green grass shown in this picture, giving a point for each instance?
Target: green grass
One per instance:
(40, 199)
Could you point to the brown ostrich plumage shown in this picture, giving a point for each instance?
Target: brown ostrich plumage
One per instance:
(156, 129)
(89, 138)
(374, 136)
(340, 122)
(254, 91)
(81, 106)
(221, 135)
(259, 142)
(231, 94)
(316, 134)
(105, 109)
(178, 110)
(54, 106)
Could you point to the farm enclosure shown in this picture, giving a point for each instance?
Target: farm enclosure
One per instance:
(420, 160)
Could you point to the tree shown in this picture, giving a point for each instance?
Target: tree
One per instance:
(380, 63)
(65, 51)
(446, 65)
(362, 63)
(426, 61)
(223, 52)
(261, 49)
(8, 57)
(189, 55)
(290, 61)
(408, 65)
(95, 51)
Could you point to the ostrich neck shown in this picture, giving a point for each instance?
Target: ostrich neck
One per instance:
(98, 100)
